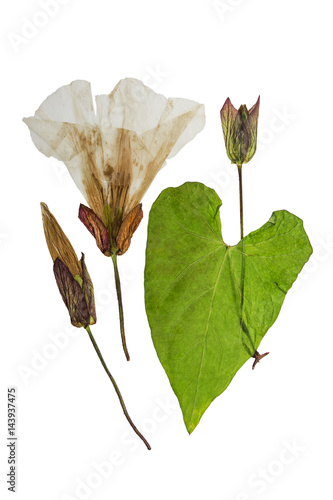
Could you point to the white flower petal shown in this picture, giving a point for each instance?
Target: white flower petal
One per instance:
(69, 143)
(71, 103)
(161, 143)
(195, 125)
(131, 105)
(62, 126)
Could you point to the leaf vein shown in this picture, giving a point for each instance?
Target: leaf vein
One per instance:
(182, 272)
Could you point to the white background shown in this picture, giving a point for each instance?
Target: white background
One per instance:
(69, 421)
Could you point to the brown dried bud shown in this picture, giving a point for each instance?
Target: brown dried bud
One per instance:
(72, 277)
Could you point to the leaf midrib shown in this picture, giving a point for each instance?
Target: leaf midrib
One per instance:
(206, 330)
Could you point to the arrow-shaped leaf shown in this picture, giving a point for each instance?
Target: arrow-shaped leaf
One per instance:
(203, 327)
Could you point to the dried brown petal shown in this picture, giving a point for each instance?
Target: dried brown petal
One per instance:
(128, 227)
(96, 227)
(58, 243)
(72, 295)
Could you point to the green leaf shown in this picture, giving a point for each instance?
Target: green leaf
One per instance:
(202, 330)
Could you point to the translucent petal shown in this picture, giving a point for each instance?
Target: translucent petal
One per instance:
(71, 103)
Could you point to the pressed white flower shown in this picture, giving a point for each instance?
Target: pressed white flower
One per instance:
(114, 152)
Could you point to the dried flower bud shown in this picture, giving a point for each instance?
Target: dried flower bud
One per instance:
(240, 131)
(72, 277)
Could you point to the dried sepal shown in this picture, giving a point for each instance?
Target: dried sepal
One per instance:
(72, 295)
(252, 128)
(96, 227)
(58, 244)
(229, 115)
(127, 228)
(88, 289)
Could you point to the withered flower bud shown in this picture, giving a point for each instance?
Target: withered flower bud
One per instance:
(240, 131)
(72, 277)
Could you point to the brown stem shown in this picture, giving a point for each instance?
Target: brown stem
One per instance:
(120, 305)
(116, 389)
(257, 357)
(242, 279)
(239, 167)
